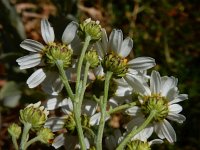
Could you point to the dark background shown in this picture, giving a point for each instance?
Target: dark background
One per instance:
(167, 30)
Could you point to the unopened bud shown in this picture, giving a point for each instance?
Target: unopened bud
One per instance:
(45, 135)
(14, 130)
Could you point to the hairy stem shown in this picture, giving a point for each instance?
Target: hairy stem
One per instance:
(103, 111)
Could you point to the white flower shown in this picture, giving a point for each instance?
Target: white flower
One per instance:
(162, 96)
(113, 53)
(38, 50)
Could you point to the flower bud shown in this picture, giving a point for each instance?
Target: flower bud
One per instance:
(138, 145)
(92, 57)
(45, 135)
(90, 28)
(14, 130)
(35, 115)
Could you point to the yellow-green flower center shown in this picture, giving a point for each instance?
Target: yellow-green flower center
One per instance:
(155, 102)
(57, 51)
(138, 145)
(116, 64)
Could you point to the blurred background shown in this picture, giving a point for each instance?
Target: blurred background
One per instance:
(166, 30)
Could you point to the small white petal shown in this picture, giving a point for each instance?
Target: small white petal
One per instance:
(155, 82)
(175, 108)
(67, 106)
(89, 107)
(156, 141)
(144, 134)
(172, 93)
(70, 32)
(167, 85)
(166, 130)
(59, 141)
(176, 117)
(55, 123)
(179, 98)
(47, 31)
(133, 111)
(115, 40)
(94, 120)
(141, 63)
(36, 78)
(53, 103)
(126, 47)
(138, 85)
(32, 45)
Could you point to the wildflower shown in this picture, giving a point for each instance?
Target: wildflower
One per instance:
(35, 115)
(162, 96)
(46, 55)
(113, 53)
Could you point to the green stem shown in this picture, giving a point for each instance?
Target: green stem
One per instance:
(64, 79)
(14, 140)
(136, 131)
(87, 66)
(125, 106)
(80, 62)
(35, 139)
(103, 111)
(24, 139)
(90, 131)
(78, 125)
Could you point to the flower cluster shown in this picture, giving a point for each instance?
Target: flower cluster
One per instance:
(108, 96)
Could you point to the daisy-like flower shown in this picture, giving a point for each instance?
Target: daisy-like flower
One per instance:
(162, 96)
(114, 51)
(112, 141)
(46, 55)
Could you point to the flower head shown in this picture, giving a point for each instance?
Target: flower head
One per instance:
(14, 130)
(46, 55)
(35, 115)
(162, 96)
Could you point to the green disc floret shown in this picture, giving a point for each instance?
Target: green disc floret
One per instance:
(138, 145)
(116, 64)
(155, 102)
(58, 51)
(14, 130)
(92, 57)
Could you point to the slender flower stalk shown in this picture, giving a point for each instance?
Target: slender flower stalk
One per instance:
(35, 139)
(80, 62)
(64, 79)
(14, 140)
(24, 139)
(103, 111)
(136, 131)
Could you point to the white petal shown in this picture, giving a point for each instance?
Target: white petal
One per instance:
(179, 98)
(167, 131)
(126, 47)
(29, 61)
(32, 45)
(89, 107)
(115, 40)
(55, 123)
(167, 85)
(175, 108)
(133, 111)
(156, 141)
(36, 78)
(144, 134)
(94, 120)
(47, 31)
(138, 85)
(53, 103)
(52, 83)
(70, 32)
(172, 93)
(59, 141)
(155, 82)
(141, 63)
(67, 106)
(176, 117)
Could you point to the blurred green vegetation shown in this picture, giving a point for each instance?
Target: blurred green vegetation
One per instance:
(165, 30)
